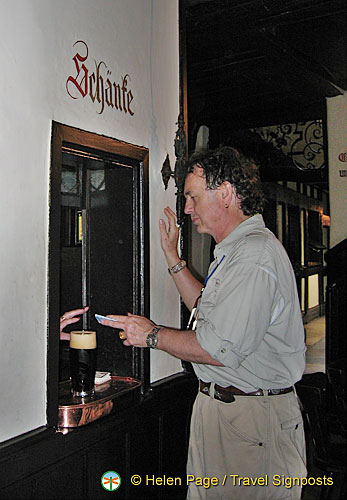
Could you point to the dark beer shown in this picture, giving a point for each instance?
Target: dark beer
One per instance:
(82, 362)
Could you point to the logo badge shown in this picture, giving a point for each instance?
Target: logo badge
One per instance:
(111, 480)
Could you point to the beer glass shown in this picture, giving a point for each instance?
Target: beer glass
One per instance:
(82, 362)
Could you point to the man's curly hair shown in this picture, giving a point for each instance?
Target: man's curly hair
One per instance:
(228, 164)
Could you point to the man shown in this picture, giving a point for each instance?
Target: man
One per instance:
(248, 346)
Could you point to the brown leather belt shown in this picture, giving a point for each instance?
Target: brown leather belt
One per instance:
(226, 394)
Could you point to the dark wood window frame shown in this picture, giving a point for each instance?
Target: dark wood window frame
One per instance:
(62, 134)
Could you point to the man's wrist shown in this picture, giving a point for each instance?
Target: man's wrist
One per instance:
(172, 259)
(152, 337)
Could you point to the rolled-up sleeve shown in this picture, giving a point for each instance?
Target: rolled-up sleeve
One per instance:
(235, 312)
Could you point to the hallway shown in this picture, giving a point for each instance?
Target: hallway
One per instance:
(315, 342)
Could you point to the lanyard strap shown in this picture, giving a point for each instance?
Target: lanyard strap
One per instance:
(193, 316)
(213, 270)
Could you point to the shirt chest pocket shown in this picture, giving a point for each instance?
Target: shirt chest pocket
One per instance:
(210, 294)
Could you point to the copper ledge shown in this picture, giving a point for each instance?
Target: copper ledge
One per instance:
(75, 412)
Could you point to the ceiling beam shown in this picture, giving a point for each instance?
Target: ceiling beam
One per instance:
(271, 45)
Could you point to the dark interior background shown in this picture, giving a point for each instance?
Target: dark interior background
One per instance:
(252, 63)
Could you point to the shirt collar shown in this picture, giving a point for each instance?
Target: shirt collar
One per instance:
(254, 222)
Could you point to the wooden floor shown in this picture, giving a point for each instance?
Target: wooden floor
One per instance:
(315, 342)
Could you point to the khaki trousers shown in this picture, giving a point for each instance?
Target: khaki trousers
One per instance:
(255, 447)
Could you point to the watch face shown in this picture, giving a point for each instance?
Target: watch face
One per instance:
(151, 340)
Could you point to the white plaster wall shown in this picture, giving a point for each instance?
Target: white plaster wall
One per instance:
(138, 37)
(337, 144)
(164, 296)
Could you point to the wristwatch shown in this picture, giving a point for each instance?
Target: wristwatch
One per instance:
(177, 267)
(152, 337)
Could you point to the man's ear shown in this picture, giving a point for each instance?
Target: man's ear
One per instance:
(227, 192)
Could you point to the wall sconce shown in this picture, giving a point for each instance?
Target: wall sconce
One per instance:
(179, 173)
(166, 171)
(180, 153)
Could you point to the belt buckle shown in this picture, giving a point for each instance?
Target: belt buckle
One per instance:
(219, 396)
(275, 391)
(259, 392)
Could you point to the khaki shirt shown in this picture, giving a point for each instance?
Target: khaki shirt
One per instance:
(249, 315)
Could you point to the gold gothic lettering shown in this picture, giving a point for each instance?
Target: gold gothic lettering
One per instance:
(98, 84)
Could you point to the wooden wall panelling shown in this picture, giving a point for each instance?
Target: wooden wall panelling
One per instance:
(51, 483)
(148, 437)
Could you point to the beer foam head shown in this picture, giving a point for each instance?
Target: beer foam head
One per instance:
(83, 339)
